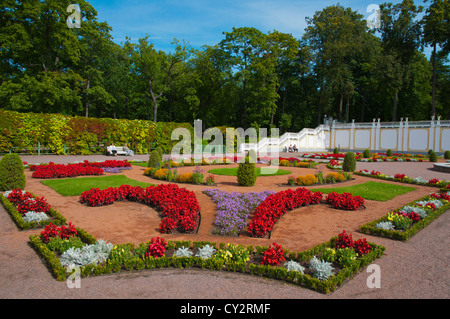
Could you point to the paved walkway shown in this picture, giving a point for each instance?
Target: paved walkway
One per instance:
(417, 269)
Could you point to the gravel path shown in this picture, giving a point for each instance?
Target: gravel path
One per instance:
(417, 269)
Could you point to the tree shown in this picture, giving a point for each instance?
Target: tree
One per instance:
(436, 31)
(400, 36)
(157, 68)
(336, 35)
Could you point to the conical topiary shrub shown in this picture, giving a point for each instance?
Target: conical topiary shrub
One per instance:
(246, 173)
(11, 173)
(154, 159)
(349, 164)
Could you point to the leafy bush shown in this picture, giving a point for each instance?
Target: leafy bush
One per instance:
(349, 164)
(366, 153)
(447, 155)
(433, 157)
(11, 173)
(294, 266)
(206, 251)
(246, 173)
(322, 269)
(155, 159)
(389, 152)
(345, 256)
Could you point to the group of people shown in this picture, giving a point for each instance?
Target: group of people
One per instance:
(111, 150)
(292, 148)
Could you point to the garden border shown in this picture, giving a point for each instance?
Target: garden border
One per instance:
(370, 229)
(274, 272)
(57, 219)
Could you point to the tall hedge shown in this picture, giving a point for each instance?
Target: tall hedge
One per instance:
(81, 135)
(11, 173)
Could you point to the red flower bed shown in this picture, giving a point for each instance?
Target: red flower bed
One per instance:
(345, 240)
(178, 206)
(345, 201)
(273, 207)
(25, 202)
(273, 256)
(53, 170)
(156, 248)
(63, 232)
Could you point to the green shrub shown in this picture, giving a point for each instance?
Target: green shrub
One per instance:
(154, 159)
(246, 173)
(160, 151)
(389, 152)
(447, 155)
(430, 151)
(366, 153)
(336, 150)
(11, 172)
(433, 157)
(349, 164)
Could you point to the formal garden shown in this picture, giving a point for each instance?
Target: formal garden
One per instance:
(305, 224)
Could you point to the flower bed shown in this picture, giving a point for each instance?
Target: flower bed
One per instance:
(178, 207)
(52, 170)
(375, 157)
(276, 205)
(322, 268)
(406, 221)
(233, 209)
(29, 211)
(170, 174)
(319, 178)
(345, 201)
(399, 177)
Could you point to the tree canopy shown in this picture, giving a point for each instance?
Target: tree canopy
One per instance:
(340, 68)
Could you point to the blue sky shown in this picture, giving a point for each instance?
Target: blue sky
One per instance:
(202, 22)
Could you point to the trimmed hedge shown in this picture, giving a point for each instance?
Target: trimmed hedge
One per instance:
(370, 229)
(61, 134)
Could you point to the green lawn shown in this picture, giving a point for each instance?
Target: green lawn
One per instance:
(371, 190)
(232, 171)
(143, 164)
(75, 186)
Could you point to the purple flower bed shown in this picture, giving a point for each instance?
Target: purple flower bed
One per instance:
(114, 169)
(233, 209)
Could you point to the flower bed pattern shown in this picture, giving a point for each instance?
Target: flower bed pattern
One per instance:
(233, 209)
(399, 177)
(308, 269)
(29, 211)
(178, 207)
(406, 221)
(275, 206)
(53, 170)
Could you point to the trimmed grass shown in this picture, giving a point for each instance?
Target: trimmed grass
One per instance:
(371, 190)
(75, 186)
(232, 171)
